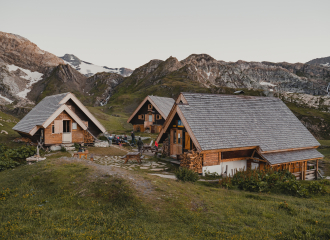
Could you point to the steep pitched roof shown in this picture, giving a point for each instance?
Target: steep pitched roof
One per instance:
(233, 121)
(40, 113)
(48, 109)
(162, 104)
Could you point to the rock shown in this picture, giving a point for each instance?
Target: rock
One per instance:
(55, 148)
(101, 144)
(5, 132)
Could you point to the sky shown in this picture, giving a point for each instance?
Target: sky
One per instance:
(130, 33)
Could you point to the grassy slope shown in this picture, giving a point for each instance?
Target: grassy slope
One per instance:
(7, 126)
(58, 199)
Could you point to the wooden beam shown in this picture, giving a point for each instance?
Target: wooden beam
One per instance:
(229, 149)
(289, 149)
(219, 158)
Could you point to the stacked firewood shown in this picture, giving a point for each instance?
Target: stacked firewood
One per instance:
(192, 160)
(88, 138)
(166, 148)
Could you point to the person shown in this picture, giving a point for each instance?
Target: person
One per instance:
(156, 146)
(125, 138)
(117, 140)
(133, 138)
(110, 139)
(140, 145)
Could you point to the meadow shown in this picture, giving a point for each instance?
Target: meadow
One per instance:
(63, 199)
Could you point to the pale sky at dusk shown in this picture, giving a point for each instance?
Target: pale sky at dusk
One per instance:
(130, 33)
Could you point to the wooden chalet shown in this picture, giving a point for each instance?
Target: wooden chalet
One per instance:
(225, 133)
(60, 119)
(151, 114)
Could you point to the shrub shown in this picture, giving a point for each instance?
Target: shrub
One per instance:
(269, 180)
(76, 146)
(63, 149)
(10, 158)
(186, 175)
(315, 188)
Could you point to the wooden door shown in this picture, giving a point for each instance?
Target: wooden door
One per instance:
(176, 142)
(67, 134)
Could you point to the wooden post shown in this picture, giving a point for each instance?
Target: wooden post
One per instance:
(304, 172)
(317, 168)
(219, 158)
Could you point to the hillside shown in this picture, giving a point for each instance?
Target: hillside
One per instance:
(7, 122)
(325, 62)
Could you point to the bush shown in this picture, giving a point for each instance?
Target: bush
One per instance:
(269, 180)
(63, 149)
(186, 175)
(10, 158)
(76, 146)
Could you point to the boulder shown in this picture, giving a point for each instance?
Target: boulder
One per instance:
(101, 144)
(55, 148)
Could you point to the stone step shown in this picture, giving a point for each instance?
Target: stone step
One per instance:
(70, 148)
(67, 144)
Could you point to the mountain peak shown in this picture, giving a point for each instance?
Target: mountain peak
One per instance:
(89, 69)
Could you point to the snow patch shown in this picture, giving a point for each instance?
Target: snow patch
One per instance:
(325, 65)
(267, 84)
(7, 99)
(32, 77)
(91, 69)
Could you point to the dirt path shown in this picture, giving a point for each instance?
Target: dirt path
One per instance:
(141, 185)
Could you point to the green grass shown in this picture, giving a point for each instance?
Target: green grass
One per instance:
(8, 123)
(65, 199)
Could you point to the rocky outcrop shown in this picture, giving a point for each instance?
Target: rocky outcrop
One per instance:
(325, 62)
(22, 64)
(101, 86)
(20, 52)
(61, 79)
(211, 73)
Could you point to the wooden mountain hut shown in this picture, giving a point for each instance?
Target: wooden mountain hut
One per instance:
(60, 119)
(151, 114)
(225, 133)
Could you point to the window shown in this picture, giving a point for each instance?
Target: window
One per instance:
(158, 117)
(150, 106)
(150, 118)
(53, 128)
(141, 117)
(74, 126)
(66, 126)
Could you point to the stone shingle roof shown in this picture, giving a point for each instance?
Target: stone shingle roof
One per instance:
(163, 103)
(40, 113)
(291, 156)
(232, 121)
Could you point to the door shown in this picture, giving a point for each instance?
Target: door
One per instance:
(67, 134)
(176, 142)
(148, 121)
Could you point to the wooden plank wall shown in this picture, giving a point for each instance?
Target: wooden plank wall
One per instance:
(56, 138)
(211, 159)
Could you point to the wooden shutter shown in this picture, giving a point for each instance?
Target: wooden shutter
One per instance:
(153, 117)
(187, 141)
(58, 124)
